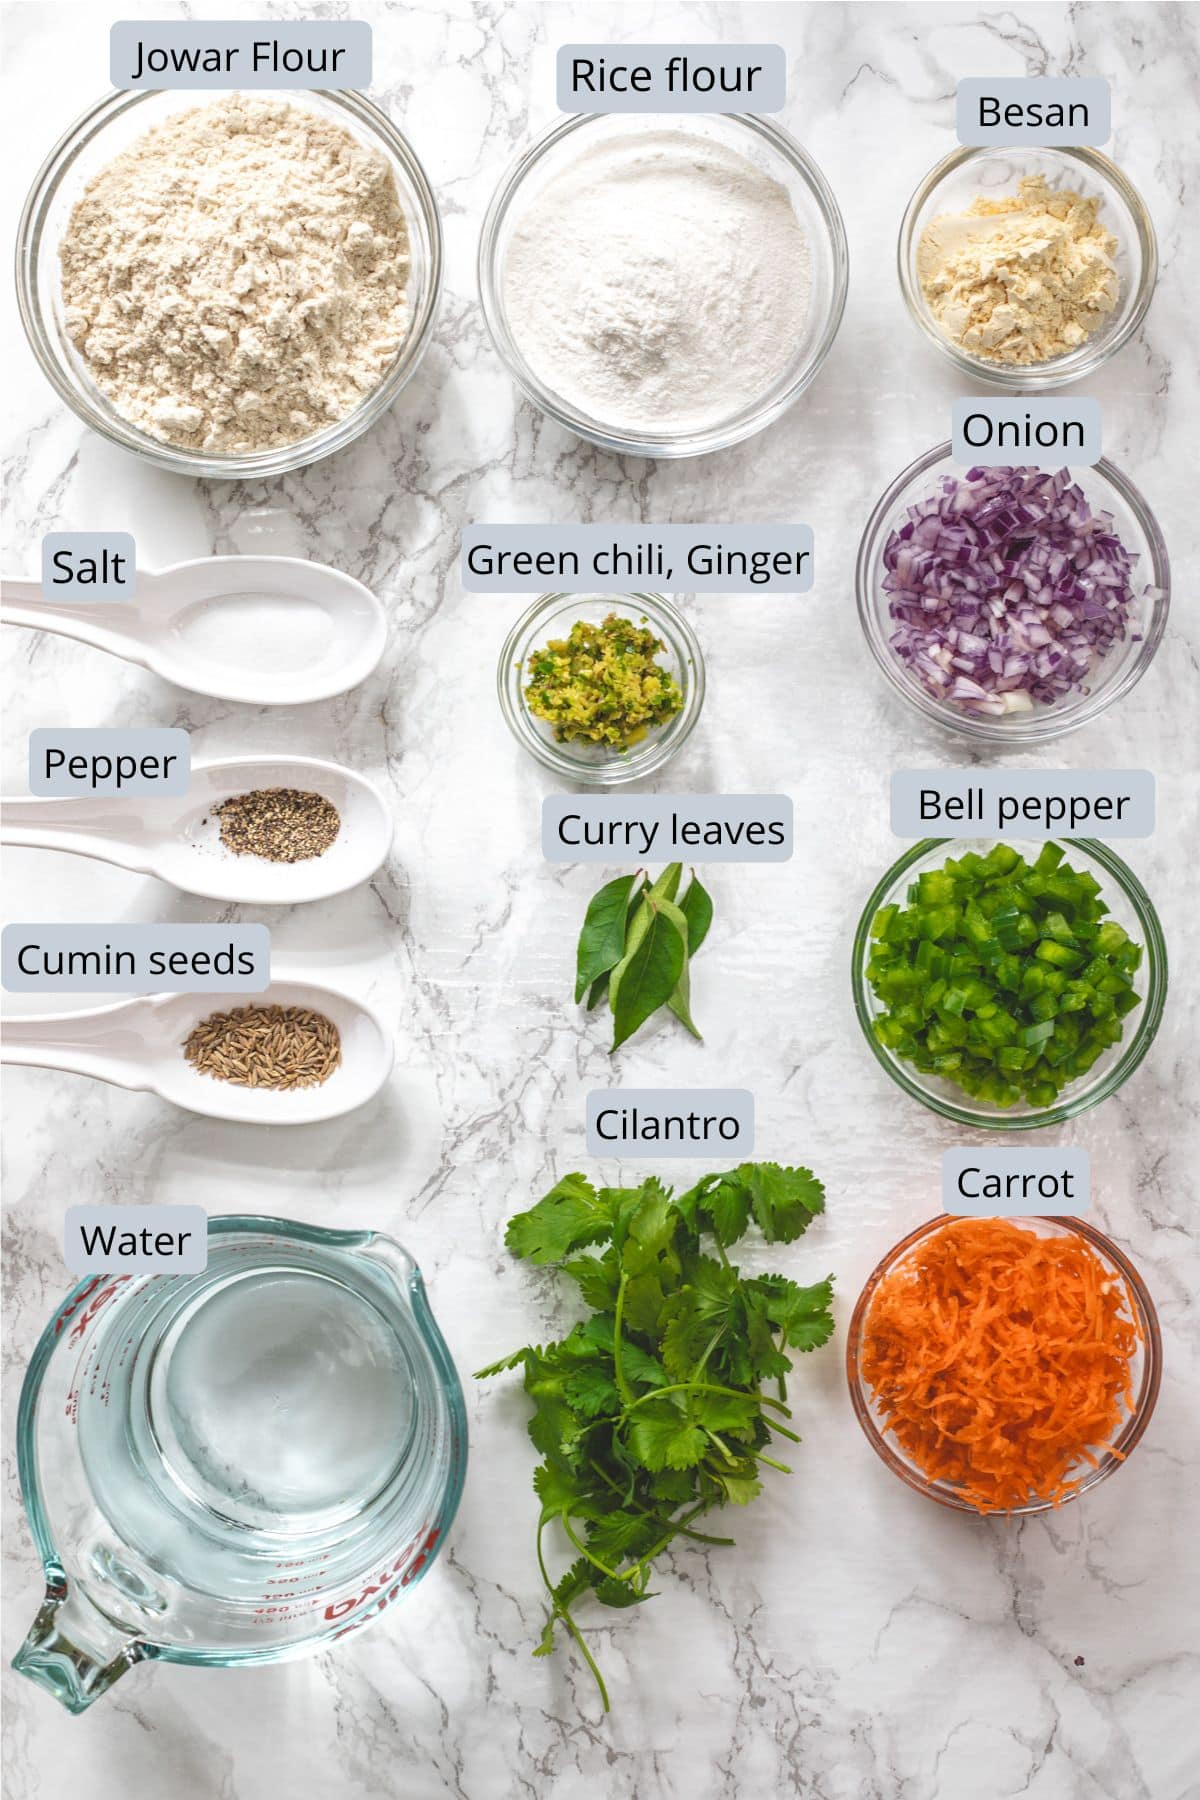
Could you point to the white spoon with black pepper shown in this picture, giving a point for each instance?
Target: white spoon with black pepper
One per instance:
(229, 836)
(268, 630)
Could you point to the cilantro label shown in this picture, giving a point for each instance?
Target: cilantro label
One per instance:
(670, 1121)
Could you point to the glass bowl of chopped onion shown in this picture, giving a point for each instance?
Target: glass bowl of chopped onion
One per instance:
(114, 126)
(901, 1388)
(578, 741)
(1012, 605)
(1068, 1070)
(993, 174)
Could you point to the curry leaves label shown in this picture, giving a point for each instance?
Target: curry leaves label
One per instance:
(719, 828)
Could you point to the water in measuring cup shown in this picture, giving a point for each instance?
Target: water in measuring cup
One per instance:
(244, 1414)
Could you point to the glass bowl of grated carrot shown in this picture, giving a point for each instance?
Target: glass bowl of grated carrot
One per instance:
(1004, 1366)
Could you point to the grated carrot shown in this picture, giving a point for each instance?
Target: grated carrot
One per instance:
(1001, 1360)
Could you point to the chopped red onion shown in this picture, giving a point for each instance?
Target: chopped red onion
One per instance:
(1006, 590)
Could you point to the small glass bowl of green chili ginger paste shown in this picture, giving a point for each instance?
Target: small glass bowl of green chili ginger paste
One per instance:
(602, 690)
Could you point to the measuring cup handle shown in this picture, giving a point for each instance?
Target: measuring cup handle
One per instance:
(73, 1651)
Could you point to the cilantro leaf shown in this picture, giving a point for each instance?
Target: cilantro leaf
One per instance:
(802, 1314)
(568, 1217)
(661, 1437)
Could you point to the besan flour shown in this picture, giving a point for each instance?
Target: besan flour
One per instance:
(236, 280)
(660, 281)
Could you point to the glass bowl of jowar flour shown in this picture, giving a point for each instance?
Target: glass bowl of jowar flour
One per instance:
(230, 285)
(663, 284)
(1028, 268)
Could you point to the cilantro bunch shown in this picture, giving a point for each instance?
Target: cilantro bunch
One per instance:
(652, 1412)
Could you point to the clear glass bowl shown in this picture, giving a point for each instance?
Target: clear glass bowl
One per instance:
(109, 128)
(968, 172)
(1106, 489)
(1128, 903)
(596, 765)
(1146, 1371)
(768, 148)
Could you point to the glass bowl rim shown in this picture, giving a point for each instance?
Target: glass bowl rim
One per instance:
(1132, 1430)
(1058, 371)
(651, 444)
(1130, 1053)
(614, 772)
(1049, 724)
(218, 465)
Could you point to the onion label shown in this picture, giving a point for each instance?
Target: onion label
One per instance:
(1023, 803)
(1042, 109)
(981, 1183)
(1045, 434)
(670, 1122)
(682, 78)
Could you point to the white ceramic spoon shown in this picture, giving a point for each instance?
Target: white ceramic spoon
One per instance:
(139, 1044)
(269, 630)
(178, 839)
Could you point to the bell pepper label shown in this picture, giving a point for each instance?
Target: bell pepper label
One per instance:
(131, 1240)
(682, 78)
(695, 828)
(670, 1122)
(1023, 803)
(984, 1183)
(1033, 109)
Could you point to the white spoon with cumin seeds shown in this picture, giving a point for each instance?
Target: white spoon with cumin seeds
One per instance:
(139, 1044)
(267, 630)
(178, 837)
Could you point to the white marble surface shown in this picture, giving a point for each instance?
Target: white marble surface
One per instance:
(859, 1642)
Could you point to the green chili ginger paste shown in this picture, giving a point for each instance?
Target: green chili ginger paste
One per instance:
(601, 684)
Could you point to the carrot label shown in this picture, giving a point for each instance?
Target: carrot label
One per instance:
(983, 1183)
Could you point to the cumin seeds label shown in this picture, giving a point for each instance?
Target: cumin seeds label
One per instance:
(314, 53)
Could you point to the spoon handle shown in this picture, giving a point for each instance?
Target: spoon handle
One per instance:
(103, 1042)
(21, 603)
(76, 826)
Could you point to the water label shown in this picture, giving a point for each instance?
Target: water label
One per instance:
(696, 828)
(620, 559)
(983, 1183)
(1041, 109)
(65, 760)
(631, 78)
(1051, 434)
(670, 1122)
(129, 1240)
(1023, 803)
(227, 53)
(81, 566)
(135, 959)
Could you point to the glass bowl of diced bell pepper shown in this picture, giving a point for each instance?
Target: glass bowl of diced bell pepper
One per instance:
(1009, 985)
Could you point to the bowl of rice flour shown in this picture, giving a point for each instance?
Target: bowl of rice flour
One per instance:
(663, 284)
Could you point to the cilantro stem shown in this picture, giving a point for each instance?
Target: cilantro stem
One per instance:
(564, 1614)
(623, 1387)
(708, 1387)
(631, 1500)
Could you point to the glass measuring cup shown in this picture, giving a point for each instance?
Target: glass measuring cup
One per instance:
(235, 1466)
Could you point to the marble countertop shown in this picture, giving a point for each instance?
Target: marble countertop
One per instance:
(860, 1642)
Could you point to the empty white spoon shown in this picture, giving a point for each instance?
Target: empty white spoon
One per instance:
(178, 838)
(139, 1044)
(269, 630)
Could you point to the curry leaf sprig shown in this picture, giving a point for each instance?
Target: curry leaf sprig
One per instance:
(652, 1412)
(636, 947)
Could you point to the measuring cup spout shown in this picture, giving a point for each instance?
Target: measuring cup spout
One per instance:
(73, 1651)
